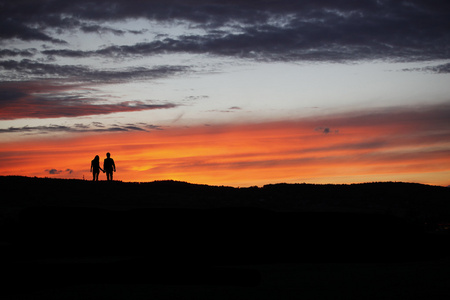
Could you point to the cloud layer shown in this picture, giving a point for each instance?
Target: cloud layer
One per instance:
(269, 30)
(283, 30)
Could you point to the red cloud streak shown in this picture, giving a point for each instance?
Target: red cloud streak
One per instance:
(41, 100)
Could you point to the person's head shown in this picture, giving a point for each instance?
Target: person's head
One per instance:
(108, 155)
(97, 157)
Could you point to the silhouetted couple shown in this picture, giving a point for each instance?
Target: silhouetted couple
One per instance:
(108, 167)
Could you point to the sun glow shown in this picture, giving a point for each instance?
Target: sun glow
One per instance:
(246, 154)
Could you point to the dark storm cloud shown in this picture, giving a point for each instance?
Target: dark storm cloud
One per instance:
(10, 94)
(35, 69)
(43, 100)
(13, 29)
(316, 42)
(214, 12)
(267, 30)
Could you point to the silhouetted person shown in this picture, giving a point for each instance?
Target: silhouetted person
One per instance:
(109, 166)
(95, 168)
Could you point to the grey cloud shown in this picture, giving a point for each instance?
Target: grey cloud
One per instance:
(212, 12)
(40, 129)
(326, 130)
(17, 52)
(137, 32)
(98, 124)
(193, 98)
(133, 128)
(35, 69)
(229, 110)
(267, 30)
(445, 68)
(101, 29)
(303, 41)
(440, 69)
(10, 94)
(10, 28)
(68, 53)
(81, 128)
(149, 126)
(55, 171)
(105, 29)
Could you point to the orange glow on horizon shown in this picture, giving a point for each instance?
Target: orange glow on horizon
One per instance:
(244, 154)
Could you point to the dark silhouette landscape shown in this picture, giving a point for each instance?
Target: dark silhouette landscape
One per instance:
(70, 239)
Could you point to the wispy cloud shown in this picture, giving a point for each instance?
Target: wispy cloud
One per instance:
(81, 128)
(440, 69)
(231, 109)
(27, 68)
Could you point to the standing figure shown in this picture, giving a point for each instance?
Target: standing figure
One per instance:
(109, 166)
(95, 168)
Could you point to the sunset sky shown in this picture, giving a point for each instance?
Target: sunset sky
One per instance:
(239, 92)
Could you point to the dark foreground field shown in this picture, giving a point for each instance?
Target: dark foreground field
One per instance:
(72, 239)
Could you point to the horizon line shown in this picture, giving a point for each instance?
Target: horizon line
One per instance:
(211, 185)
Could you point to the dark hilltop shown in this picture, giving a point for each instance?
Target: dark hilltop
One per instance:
(410, 200)
(170, 238)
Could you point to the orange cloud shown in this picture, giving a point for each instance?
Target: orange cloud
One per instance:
(406, 145)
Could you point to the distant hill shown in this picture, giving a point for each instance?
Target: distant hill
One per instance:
(413, 201)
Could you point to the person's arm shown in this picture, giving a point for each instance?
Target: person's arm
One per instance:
(114, 165)
(91, 167)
